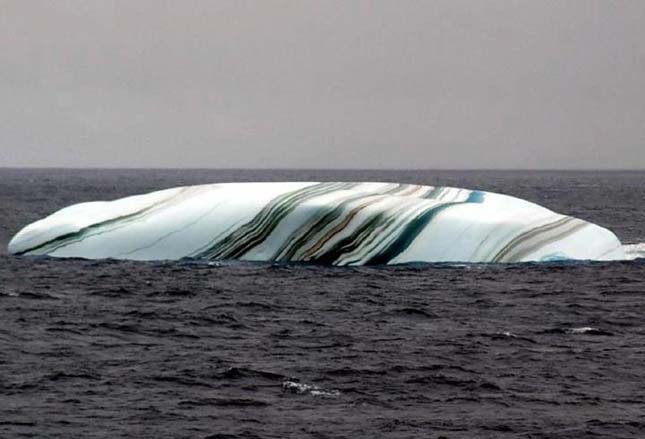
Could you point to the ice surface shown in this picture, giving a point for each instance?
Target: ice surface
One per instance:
(327, 223)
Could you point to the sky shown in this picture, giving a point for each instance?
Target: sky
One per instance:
(434, 84)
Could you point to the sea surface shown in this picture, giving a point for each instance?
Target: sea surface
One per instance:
(110, 349)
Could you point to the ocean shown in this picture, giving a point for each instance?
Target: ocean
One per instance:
(106, 349)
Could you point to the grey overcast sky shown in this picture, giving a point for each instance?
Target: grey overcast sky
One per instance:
(323, 84)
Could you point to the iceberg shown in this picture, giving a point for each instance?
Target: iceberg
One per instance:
(331, 223)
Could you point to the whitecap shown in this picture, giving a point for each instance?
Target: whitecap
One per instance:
(307, 389)
(582, 330)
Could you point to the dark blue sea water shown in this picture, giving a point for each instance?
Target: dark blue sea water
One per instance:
(107, 349)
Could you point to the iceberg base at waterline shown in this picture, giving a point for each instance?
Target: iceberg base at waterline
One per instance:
(332, 223)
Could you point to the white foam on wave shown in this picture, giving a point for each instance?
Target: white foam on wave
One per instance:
(582, 330)
(309, 389)
(634, 251)
(588, 331)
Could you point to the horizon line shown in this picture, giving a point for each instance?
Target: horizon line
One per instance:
(152, 168)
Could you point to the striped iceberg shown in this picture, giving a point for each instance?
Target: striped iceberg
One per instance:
(330, 223)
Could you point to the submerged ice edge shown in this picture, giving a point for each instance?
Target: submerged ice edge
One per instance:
(634, 257)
